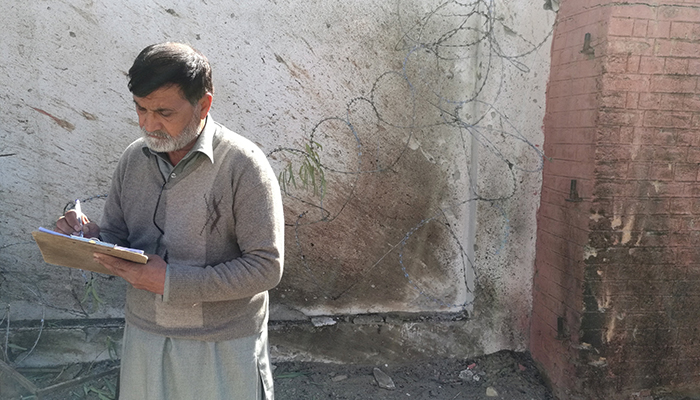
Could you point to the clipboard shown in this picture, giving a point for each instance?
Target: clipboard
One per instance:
(76, 252)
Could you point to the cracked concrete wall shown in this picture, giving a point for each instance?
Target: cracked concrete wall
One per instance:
(422, 120)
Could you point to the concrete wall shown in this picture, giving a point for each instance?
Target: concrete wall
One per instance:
(423, 119)
(616, 307)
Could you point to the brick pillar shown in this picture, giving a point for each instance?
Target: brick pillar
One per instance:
(616, 303)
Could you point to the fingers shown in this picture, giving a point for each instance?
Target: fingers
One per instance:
(91, 230)
(149, 277)
(72, 223)
(114, 264)
(68, 224)
(74, 220)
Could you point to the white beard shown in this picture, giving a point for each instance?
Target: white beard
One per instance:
(164, 143)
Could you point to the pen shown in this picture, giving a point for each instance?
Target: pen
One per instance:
(79, 215)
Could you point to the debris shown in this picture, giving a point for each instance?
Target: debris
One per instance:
(491, 392)
(368, 320)
(383, 380)
(17, 377)
(323, 321)
(583, 346)
(522, 368)
(339, 378)
(466, 375)
(471, 366)
(74, 378)
(599, 363)
(435, 379)
(643, 395)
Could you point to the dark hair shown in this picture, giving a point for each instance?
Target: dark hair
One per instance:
(165, 64)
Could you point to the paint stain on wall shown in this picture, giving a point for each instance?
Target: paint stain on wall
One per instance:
(61, 122)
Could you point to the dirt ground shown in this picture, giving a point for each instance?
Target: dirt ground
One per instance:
(502, 375)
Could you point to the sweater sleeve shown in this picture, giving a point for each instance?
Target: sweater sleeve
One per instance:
(259, 226)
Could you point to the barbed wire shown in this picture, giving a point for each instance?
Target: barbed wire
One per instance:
(475, 28)
(478, 23)
(71, 204)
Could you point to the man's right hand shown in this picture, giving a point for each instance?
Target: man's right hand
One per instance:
(69, 224)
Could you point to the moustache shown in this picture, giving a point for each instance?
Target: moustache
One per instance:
(159, 134)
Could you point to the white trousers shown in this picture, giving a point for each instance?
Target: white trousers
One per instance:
(155, 367)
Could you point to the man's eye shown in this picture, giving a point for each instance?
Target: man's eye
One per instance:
(166, 114)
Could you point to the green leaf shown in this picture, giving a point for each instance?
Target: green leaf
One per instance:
(95, 295)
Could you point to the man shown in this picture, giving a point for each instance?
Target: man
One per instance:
(204, 204)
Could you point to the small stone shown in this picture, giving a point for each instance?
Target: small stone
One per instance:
(323, 321)
(491, 392)
(339, 378)
(466, 375)
(383, 380)
(600, 363)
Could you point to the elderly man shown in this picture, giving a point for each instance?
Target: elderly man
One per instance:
(204, 204)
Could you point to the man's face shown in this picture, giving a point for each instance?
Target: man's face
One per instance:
(168, 121)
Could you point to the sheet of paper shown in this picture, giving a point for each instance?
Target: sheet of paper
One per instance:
(76, 252)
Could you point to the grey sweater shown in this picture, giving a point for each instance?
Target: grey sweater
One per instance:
(218, 224)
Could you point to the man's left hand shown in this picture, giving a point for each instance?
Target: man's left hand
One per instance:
(149, 276)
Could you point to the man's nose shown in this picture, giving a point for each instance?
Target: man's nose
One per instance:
(149, 122)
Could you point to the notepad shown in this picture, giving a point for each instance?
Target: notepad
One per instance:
(76, 252)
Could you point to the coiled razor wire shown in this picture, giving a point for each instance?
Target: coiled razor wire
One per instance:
(443, 48)
(485, 36)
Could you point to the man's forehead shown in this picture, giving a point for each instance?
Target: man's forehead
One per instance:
(165, 96)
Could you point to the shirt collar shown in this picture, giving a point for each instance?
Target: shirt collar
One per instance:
(204, 143)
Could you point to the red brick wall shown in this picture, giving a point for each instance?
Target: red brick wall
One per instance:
(617, 286)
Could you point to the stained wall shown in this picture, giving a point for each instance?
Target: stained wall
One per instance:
(615, 307)
(407, 136)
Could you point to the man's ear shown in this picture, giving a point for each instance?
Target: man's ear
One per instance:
(205, 105)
